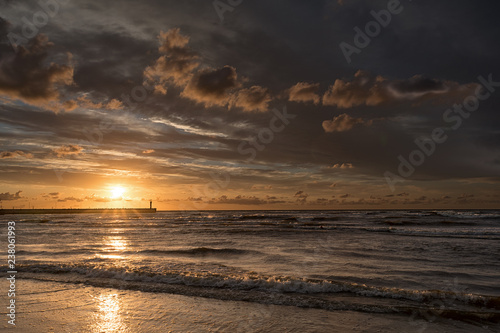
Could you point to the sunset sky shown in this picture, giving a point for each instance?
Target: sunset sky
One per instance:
(250, 104)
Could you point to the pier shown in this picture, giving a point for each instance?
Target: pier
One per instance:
(79, 211)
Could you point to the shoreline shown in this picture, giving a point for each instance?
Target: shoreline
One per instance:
(51, 306)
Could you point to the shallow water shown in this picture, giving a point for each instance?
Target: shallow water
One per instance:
(418, 265)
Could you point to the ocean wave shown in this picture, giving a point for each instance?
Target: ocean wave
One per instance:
(475, 233)
(198, 251)
(201, 251)
(469, 214)
(279, 291)
(55, 253)
(186, 276)
(403, 222)
(261, 217)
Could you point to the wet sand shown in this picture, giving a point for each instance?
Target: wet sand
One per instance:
(44, 306)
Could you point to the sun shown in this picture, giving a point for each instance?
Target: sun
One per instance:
(117, 192)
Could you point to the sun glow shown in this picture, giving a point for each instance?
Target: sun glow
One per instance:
(117, 192)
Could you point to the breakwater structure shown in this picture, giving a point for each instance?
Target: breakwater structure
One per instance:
(81, 210)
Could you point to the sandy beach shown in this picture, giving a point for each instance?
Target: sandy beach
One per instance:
(64, 307)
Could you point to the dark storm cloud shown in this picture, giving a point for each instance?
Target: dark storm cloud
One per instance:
(419, 84)
(176, 63)
(70, 199)
(342, 166)
(212, 86)
(369, 90)
(362, 90)
(4, 29)
(255, 98)
(343, 123)
(301, 197)
(304, 92)
(66, 150)
(14, 154)
(8, 196)
(107, 63)
(85, 102)
(25, 75)
(238, 200)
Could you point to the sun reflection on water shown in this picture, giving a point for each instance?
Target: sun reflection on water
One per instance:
(108, 316)
(114, 245)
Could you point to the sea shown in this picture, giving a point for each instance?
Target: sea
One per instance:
(426, 270)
